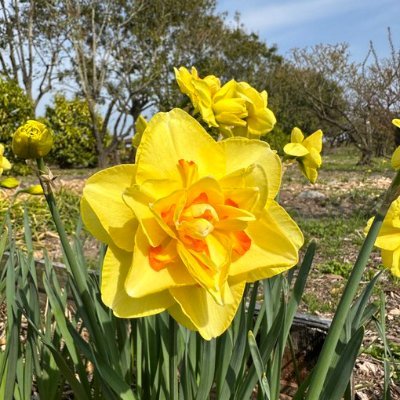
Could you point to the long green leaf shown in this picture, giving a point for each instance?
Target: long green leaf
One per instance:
(339, 377)
(207, 368)
(259, 366)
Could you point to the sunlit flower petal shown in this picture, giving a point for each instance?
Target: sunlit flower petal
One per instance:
(396, 122)
(388, 239)
(198, 309)
(103, 210)
(114, 274)
(395, 160)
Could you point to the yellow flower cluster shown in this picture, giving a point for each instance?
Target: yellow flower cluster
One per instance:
(306, 151)
(189, 224)
(235, 109)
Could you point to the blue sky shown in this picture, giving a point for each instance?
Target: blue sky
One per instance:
(301, 23)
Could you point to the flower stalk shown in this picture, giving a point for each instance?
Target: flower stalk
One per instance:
(79, 278)
(350, 291)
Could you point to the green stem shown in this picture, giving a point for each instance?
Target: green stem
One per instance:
(324, 361)
(81, 283)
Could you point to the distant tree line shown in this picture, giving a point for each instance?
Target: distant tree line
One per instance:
(106, 62)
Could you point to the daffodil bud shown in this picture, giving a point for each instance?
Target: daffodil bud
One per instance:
(32, 140)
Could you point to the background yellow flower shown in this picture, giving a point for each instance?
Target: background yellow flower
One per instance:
(306, 151)
(32, 140)
(189, 224)
(388, 239)
(236, 108)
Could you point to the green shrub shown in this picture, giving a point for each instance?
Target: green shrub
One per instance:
(15, 109)
(74, 143)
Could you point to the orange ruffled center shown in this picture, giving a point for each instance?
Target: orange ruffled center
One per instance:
(204, 226)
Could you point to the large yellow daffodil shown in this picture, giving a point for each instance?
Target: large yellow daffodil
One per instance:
(306, 151)
(388, 239)
(189, 224)
(4, 163)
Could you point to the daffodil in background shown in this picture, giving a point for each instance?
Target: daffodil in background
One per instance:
(32, 140)
(189, 224)
(5, 165)
(388, 239)
(307, 151)
(395, 161)
(235, 109)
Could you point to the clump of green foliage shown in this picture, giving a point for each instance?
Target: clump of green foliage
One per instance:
(74, 143)
(15, 108)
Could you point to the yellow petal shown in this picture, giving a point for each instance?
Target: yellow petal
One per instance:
(314, 141)
(313, 160)
(4, 163)
(396, 122)
(395, 161)
(275, 242)
(391, 260)
(261, 123)
(241, 153)
(103, 210)
(310, 173)
(205, 276)
(296, 135)
(143, 280)
(199, 310)
(113, 275)
(295, 150)
(388, 238)
(139, 203)
(172, 137)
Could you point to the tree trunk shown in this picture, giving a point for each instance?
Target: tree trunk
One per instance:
(366, 157)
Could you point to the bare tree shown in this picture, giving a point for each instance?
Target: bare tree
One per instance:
(370, 91)
(30, 46)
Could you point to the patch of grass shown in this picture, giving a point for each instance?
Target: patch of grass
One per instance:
(336, 267)
(41, 222)
(332, 233)
(315, 305)
(346, 158)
